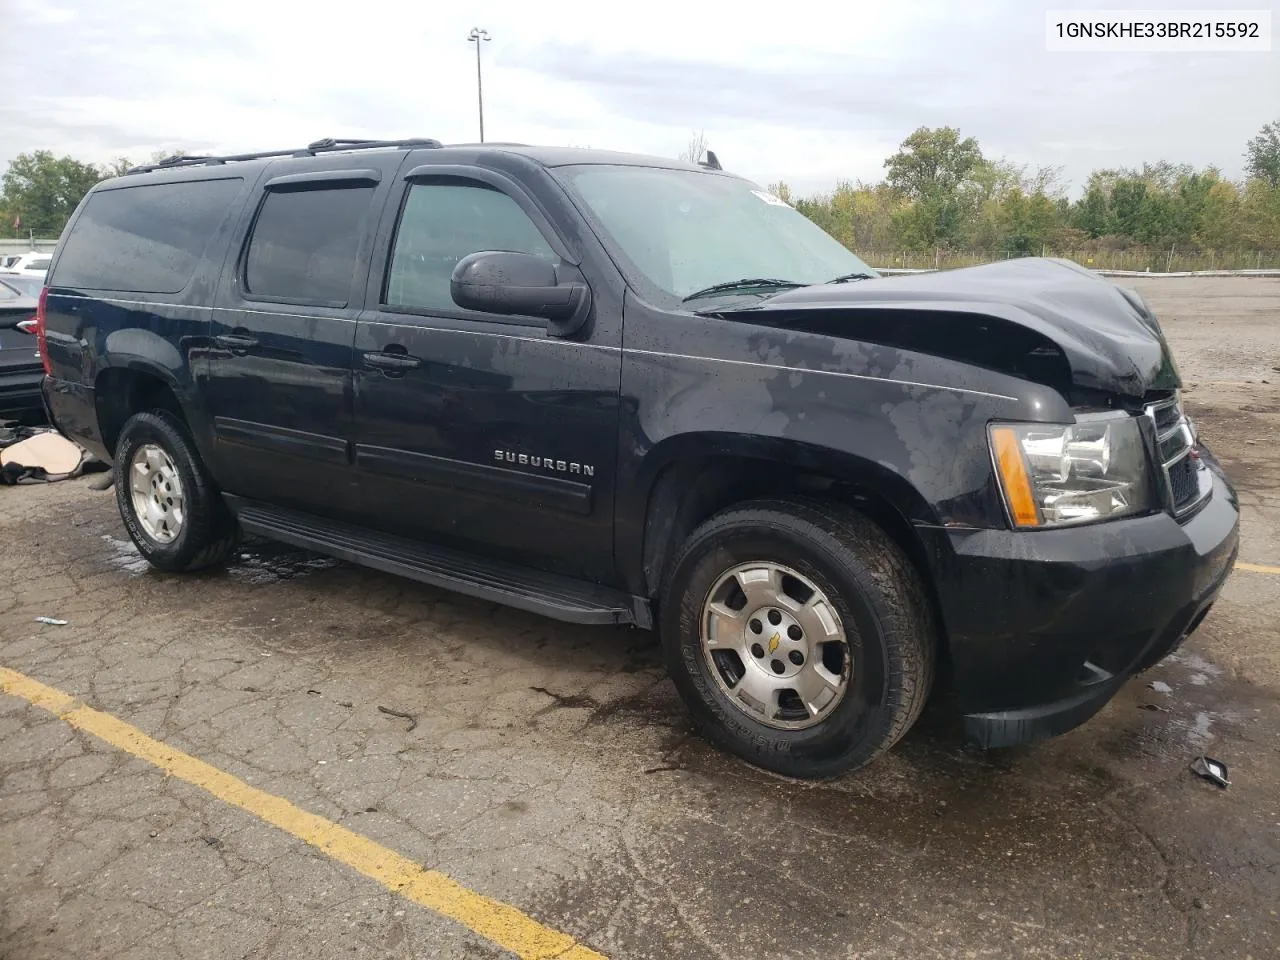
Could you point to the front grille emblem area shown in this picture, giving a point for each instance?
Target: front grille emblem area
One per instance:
(549, 464)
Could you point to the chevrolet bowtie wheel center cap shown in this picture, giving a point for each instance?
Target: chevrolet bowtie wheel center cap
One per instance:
(777, 642)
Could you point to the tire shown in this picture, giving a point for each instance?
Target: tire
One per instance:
(882, 609)
(207, 533)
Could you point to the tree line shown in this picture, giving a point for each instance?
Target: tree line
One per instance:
(39, 191)
(942, 202)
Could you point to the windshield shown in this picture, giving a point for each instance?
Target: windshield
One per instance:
(680, 231)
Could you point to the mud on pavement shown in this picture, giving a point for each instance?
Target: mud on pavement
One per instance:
(551, 767)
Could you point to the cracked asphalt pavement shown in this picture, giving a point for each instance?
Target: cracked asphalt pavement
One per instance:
(551, 767)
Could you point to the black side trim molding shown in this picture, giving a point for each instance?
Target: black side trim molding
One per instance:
(551, 492)
(297, 443)
(548, 594)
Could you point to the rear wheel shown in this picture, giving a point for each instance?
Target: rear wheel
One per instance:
(799, 635)
(167, 500)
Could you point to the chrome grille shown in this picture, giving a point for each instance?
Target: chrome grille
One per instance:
(1183, 483)
(1166, 414)
(1179, 469)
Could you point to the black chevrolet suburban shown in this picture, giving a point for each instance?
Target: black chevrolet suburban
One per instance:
(615, 389)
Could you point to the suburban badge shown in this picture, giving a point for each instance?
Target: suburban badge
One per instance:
(544, 463)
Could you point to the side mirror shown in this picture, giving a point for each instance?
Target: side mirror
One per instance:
(497, 281)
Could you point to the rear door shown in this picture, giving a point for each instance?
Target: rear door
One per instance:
(279, 372)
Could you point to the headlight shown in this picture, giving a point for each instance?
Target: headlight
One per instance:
(1054, 475)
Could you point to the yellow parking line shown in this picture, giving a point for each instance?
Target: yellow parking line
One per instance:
(1256, 567)
(498, 922)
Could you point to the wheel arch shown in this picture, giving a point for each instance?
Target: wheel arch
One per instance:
(132, 384)
(690, 478)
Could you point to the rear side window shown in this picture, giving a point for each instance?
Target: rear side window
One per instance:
(144, 239)
(304, 244)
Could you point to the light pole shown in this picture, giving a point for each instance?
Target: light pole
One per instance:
(477, 36)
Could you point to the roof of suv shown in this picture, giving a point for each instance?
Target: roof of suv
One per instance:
(543, 155)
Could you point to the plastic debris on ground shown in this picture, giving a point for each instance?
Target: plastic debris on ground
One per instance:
(1215, 771)
(52, 621)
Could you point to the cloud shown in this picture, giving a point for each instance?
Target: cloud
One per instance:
(815, 93)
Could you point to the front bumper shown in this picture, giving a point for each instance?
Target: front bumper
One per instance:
(1045, 626)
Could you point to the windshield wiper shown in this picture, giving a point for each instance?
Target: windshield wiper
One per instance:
(747, 283)
(847, 277)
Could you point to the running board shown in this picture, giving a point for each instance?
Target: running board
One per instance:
(548, 594)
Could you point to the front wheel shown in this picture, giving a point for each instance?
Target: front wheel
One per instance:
(167, 500)
(799, 635)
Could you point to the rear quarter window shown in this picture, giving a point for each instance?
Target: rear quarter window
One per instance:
(144, 239)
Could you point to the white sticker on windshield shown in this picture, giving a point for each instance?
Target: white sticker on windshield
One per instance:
(770, 199)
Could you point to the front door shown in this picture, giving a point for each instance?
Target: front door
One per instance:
(476, 430)
(279, 373)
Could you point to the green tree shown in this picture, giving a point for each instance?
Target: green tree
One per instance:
(933, 163)
(1260, 215)
(1127, 197)
(1092, 212)
(1191, 200)
(1262, 155)
(44, 190)
(1220, 218)
(1163, 175)
(1157, 218)
(945, 178)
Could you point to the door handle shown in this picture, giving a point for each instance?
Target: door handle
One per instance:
(391, 362)
(235, 342)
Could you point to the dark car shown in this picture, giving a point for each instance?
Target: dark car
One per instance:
(621, 390)
(20, 368)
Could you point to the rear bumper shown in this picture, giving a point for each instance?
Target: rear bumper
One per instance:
(72, 410)
(1045, 626)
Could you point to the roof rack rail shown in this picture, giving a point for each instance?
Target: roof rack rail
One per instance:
(327, 145)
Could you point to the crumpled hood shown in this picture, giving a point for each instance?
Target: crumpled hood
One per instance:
(1109, 336)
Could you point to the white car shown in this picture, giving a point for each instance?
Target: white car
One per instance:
(30, 265)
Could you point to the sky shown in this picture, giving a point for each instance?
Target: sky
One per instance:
(805, 92)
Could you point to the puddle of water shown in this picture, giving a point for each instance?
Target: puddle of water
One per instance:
(126, 556)
(1198, 665)
(254, 564)
(1199, 732)
(266, 562)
